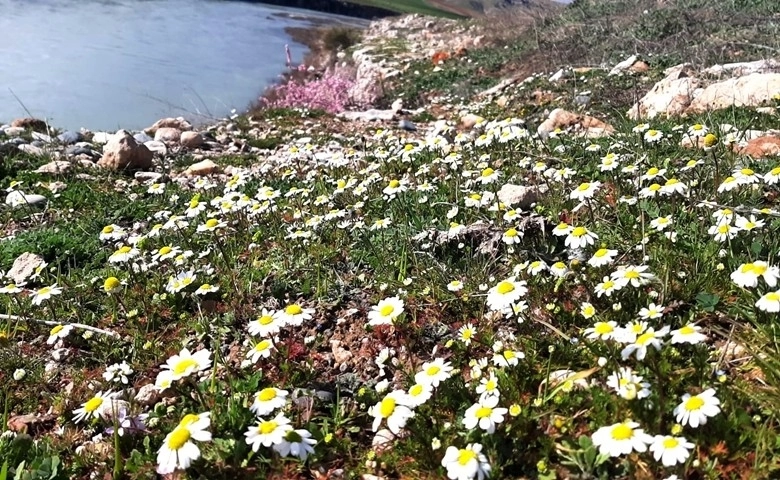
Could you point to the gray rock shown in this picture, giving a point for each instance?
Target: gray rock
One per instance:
(157, 147)
(74, 150)
(57, 166)
(17, 141)
(142, 137)
(519, 196)
(18, 199)
(147, 395)
(101, 137)
(7, 148)
(583, 100)
(147, 176)
(24, 266)
(407, 125)
(41, 137)
(624, 65)
(69, 137)
(13, 131)
(368, 115)
(31, 149)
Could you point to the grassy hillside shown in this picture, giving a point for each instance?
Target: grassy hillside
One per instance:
(354, 301)
(600, 33)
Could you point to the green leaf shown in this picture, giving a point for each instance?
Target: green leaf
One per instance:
(4, 471)
(707, 301)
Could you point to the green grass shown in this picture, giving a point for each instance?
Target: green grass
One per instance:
(409, 6)
(314, 246)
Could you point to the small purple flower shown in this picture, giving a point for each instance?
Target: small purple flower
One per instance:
(128, 423)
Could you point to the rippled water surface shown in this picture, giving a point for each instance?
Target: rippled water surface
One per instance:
(125, 63)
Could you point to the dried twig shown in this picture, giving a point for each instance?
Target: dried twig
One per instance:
(50, 322)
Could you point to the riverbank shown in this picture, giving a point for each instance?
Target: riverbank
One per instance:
(338, 7)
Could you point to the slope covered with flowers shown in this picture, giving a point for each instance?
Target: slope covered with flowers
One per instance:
(334, 311)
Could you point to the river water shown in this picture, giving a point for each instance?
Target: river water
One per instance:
(109, 64)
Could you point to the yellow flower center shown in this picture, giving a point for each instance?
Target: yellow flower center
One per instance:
(603, 328)
(622, 432)
(773, 296)
(183, 365)
(723, 228)
(416, 390)
(262, 345)
(483, 412)
(687, 330)
(165, 250)
(178, 438)
(509, 354)
(44, 291)
(188, 419)
(266, 394)
(124, 249)
(433, 370)
(475, 196)
(632, 274)
(608, 284)
(672, 181)
(600, 252)
(652, 171)
(211, 223)
(387, 407)
(654, 187)
(466, 456)
(747, 172)
(775, 171)
(108, 229)
(759, 269)
(645, 338)
(693, 404)
(194, 203)
(111, 283)
(394, 184)
(511, 232)
(487, 172)
(583, 186)
(265, 320)
(670, 442)
(57, 329)
(93, 404)
(505, 287)
(579, 231)
(293, 309)
(267, 427)
(386, 310)
(490, 385)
